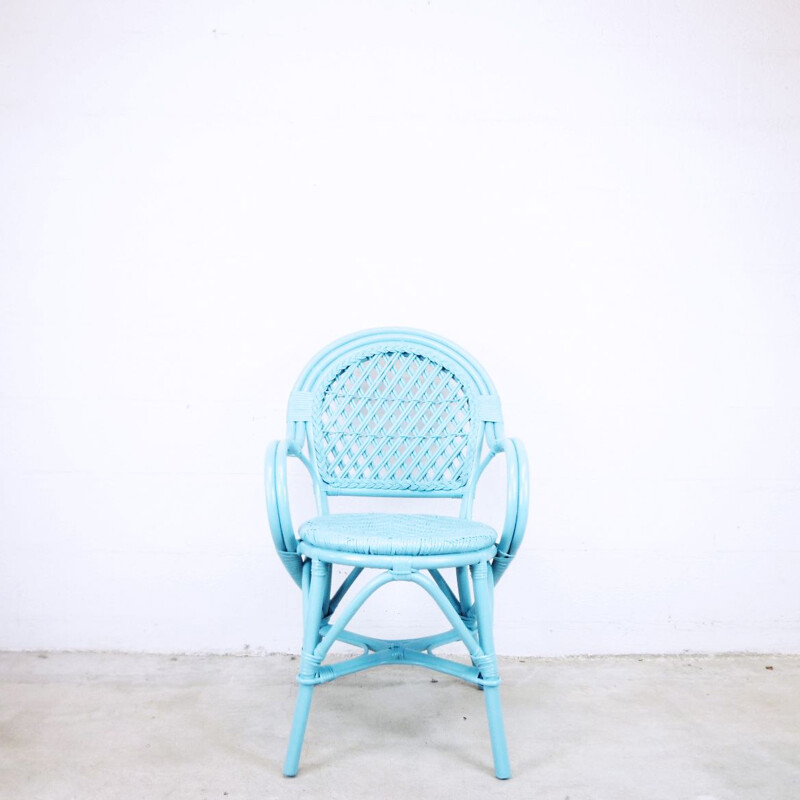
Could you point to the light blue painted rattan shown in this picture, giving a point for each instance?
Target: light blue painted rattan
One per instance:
(396, 412)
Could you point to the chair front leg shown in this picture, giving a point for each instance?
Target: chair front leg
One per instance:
(318, 589)
(487, 663)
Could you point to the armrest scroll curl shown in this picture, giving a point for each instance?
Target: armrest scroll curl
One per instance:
(517, 496)
(280, 520)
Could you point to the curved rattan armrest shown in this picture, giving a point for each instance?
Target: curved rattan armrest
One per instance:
(280, 520)
(517, 492)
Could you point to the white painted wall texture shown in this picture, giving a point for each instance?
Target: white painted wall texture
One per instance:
(598, 199)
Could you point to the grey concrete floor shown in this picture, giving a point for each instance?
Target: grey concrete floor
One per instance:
(129, 726)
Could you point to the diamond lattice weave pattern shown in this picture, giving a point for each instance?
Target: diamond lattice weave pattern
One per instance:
(394, 420)
(397, 534)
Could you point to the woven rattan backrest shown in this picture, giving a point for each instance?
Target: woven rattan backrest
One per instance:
(394, 420)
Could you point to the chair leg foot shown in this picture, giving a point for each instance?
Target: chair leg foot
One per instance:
(497, 733)
(302, 708)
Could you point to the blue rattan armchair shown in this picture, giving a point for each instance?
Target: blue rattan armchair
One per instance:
(395, 412)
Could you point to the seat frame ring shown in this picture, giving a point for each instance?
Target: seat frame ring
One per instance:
(367, 560)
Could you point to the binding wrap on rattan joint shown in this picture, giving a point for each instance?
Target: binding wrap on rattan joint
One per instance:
(301, 405)
(500, 564)
(294, 564)
(487, 408)
(298, 412)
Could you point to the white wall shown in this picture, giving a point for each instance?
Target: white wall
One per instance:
(599, 200)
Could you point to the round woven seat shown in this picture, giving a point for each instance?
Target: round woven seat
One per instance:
(397, 534)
